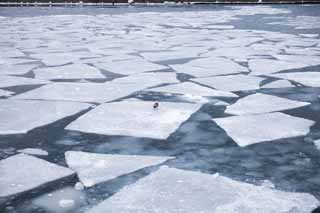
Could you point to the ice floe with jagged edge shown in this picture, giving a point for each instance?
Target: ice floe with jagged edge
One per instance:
(56, 59)
(251, 129)
(9, 81)
(267, 66)
(99, 92)
(240, 54)
(127, 67)
(5, 93)
(61, 200)
(311, 79)
(176, 190)
(231, 82)
(169, 55)
(94, 168)
(211, 66)
(21, 116)
(18, 69)
(23, 173)
(278, 84)
(135, 118)
(309, 60)
(262, 103)
(72, 71)
(33, 151)
(193, 89)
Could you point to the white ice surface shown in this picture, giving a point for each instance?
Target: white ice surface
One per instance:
(73, 71)
(171, 190)
(94, 168)
(278, 84)
(262, 103)
(267, 66)
(250, 129)
(311, 79)
(128, 67)
(135, 118)
(33, 151)
(20, 116)
(9, 81)
(61, 200)
(5, 93)
(192, 89)
(231, 82)
(169, 55)
(211, 66)
(19, 69)
(21, 173)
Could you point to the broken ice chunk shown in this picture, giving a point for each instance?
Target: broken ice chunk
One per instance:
(93, 168)
(16, 69)
(61, 200)
(9, 81)
(262, 103)
(192, 89)
(267, 66)
(73, 71)
(250, 129)
(211, 66)
(23, 173)
(20, 116)
(135, 118)
(311, 79)
(33, 151)
(175, 190)
(5, 93)
(278, 84)
(169, 55)
(128, 67)
(231, 82)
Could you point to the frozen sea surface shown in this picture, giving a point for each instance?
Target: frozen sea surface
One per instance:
(94, 100)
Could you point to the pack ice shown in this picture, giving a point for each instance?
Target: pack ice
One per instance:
(98, 92)
(311, 79)
(211, 66)
(23, 173)
(9, 81)
(231, 82)
(127, 67)
(174, 190)
(73, 71)
(262, 103)
(135, 118)
(20, 116)
(93, 168)
(250, 129)
(192, 89)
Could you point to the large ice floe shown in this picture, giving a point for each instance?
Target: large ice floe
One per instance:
(73, 71)
(23, 173)
(21, 116)
(98, 92)
(250, 129)
(262, 103)
(211, 66)
(231, 82)
(311, 79)
(267, 66)
(93, 168)
(192, 89)
(175, 190)
(5, 93)
(17, 69)
(127, 67)
(135, 118)
(9, 81)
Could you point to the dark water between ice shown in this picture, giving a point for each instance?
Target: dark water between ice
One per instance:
(199, 144)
